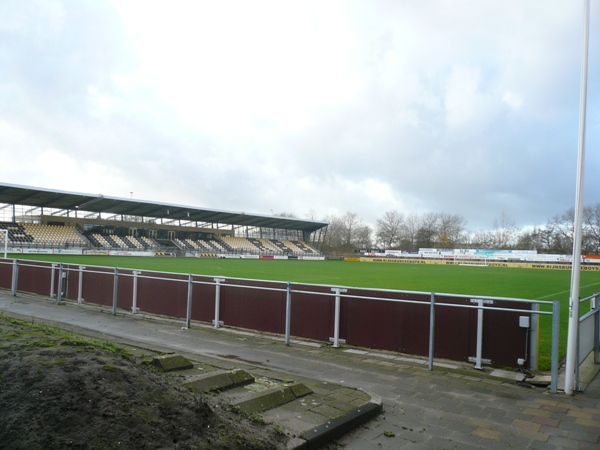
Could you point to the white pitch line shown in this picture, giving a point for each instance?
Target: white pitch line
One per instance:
(566, 292)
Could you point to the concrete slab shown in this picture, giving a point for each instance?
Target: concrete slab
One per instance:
(169, 363)
(218, 380)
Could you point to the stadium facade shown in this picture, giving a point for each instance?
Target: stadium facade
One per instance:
(42, 220)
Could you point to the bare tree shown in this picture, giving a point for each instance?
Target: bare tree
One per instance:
(450, 230)
(311, 214)
(408, 239)
(346, 234)
(591, 218)
(287, 214)
(561, 229)
(482, 239)
(505, 232)
(427, 232)
(363, 237)
(333, 237)
(389, 230)
(532, 240)
(354, 232)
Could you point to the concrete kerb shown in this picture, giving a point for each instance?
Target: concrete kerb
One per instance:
(219, 380)
(272, 398)
(335, 428)
(171, 362)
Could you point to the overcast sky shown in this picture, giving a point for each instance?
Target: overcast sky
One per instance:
(462, 107)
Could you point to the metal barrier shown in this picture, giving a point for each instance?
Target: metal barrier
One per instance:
(588, 335)
(322, 309)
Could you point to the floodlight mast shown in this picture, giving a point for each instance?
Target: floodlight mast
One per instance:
(572, 337)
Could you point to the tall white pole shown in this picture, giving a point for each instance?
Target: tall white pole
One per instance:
(574, 297)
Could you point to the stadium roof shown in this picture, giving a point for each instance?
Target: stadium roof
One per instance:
(98, 203)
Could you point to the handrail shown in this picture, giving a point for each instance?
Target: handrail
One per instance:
(429, 299)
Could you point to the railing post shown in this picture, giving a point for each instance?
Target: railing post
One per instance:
(554, 357)
(80, 286)
(60, 284)
(596, 329)
(15, 277)
(188, 317)
(134, 307)
(288, 313)
(577, 353)
(52, 276)
(115, 290)
(478, 357)
(217, 300)
(534, 333)
(336, 324)
(431, 330)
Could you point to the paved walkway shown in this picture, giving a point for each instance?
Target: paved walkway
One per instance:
(452, 406)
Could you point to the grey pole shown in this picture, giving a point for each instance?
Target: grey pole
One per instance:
(336, 324)
(115, 290)
(554, 357)
(431, 330)
(478, 362)
(188, 317)
(134, 306)
(80, 287)
(596, 330)
(288, 313)
(60, 284)
(534, 332)
(573, 329)
(218, 300)
(52, 276)
(15, 277)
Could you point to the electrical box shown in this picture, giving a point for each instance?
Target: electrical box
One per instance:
(524, 321)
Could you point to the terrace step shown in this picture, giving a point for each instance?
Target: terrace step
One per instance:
(219, 380)
(311, 412)
(272, 398)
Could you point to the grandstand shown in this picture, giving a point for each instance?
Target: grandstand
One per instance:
(40, 220)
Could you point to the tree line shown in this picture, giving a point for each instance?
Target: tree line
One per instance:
(398, 231)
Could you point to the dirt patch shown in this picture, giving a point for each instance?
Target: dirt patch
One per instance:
(58, 390)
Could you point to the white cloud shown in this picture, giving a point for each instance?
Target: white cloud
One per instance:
(513, 100)
(460, 107)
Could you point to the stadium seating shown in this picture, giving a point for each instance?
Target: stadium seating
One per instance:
(99, 241)
(16, 233)
(39, 235)
(147, 242)
(132, 242)
(239, 244)
(192, 245)
(304, 247)
(267, 246)
(204, 246)
(54, 236)
(121, 242)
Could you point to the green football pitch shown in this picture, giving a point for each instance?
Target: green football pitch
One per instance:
(536, 284)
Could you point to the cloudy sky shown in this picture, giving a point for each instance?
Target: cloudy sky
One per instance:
(468, 107)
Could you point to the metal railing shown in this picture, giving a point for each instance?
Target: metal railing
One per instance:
(479, 303)
(588, 335)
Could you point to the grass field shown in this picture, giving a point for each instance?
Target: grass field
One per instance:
(470, 280)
